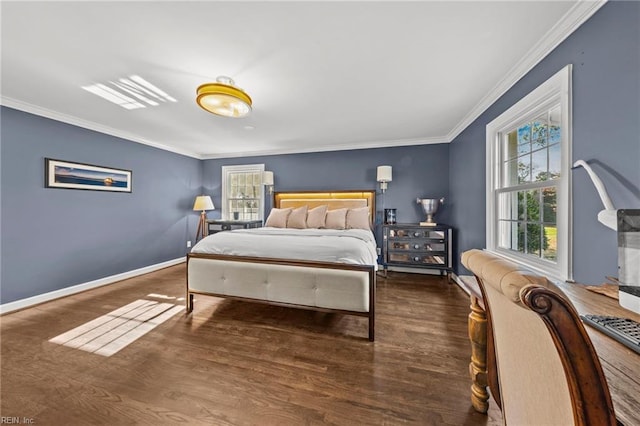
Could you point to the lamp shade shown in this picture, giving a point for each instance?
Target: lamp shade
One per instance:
(203, 202)
(267, 178)
(384, 174)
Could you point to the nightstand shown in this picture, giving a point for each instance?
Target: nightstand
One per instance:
(415, 246)
(217, 225)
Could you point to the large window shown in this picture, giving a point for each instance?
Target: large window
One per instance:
(528, 179)
(242, 192)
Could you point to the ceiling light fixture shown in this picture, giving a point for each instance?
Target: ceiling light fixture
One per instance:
(223, 98)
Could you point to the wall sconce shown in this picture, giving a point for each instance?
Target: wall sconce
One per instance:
(384, 176)
(267, 180)
(203, 203)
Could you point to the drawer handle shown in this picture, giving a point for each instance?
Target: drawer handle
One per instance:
(416, 246)
(416, 259)
(416, 234)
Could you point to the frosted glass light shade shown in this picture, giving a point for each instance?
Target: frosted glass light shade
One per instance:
(384, 174)
(223, 98)
(203, 202)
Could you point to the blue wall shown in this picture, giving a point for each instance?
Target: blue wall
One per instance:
(418, 171)
(605, 53)
(56, 238)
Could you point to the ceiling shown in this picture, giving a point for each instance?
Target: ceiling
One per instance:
(322, 75)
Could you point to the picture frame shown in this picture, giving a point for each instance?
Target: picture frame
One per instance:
(72, 175)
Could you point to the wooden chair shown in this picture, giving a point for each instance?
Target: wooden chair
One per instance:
(548, 372)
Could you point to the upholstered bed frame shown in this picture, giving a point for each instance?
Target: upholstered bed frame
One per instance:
(321, 286)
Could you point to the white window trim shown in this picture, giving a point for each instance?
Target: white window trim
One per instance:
(241, 168)
(554, 90)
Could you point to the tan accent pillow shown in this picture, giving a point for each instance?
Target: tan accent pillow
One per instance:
(298, 218)
(316, 217)
(336, 219)
(278, 218)
(358, 218)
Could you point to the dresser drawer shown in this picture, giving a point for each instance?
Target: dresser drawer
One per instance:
(417, 245)
(417, 233)
(418, 259)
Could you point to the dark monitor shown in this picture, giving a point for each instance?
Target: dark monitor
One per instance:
(629, 258)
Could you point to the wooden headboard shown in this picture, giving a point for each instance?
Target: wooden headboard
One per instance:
(333, 199)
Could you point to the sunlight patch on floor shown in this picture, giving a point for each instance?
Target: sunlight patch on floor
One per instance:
(112, 332)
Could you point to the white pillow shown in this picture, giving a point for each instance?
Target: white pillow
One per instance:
(336, 219)
(298, 218)
(278, 218)
(316, 217)
(358, 218)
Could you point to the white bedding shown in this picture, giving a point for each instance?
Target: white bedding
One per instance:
(352, 246)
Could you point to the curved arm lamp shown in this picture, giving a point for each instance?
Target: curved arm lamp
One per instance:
(609, 216)
(202, 203)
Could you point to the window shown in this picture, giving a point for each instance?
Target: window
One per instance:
(528, 179)
(242, 192)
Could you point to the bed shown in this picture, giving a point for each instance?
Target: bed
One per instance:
(335, 282)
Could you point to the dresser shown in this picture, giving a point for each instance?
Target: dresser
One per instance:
(414, 246)
(218, 225)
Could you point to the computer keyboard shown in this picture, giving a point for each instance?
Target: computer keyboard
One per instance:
(623, 330)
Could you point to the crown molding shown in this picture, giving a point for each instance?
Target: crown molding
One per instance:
(90, 125)
(576, 16)
(75, 121)
(327, 148)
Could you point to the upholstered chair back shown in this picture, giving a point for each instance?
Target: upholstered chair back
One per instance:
(535, 382)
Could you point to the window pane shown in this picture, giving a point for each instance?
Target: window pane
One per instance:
(554, 134)
(554, 161)
(510, 173)
(550, 251)
(539, 165)
(533, 205)
(534, 235)
(508, 206)
(519, 245)
(508, 238)
(524, 169)
(510, 145)
(539, 133)
(521, 205)
(549, 205)
(554, 125)
(524, 139)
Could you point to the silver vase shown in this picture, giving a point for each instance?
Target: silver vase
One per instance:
(430, 208)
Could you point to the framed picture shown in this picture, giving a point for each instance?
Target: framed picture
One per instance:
(68, 175)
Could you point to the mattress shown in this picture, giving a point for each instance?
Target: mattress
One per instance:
(351, 246)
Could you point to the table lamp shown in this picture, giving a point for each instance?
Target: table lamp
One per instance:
(203, 203)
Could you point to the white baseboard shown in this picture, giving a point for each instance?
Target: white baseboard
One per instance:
(459, 282)
(41, 298)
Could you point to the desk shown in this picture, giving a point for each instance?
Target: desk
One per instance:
(621, 365)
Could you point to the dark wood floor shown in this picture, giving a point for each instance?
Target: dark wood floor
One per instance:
(239, 363)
